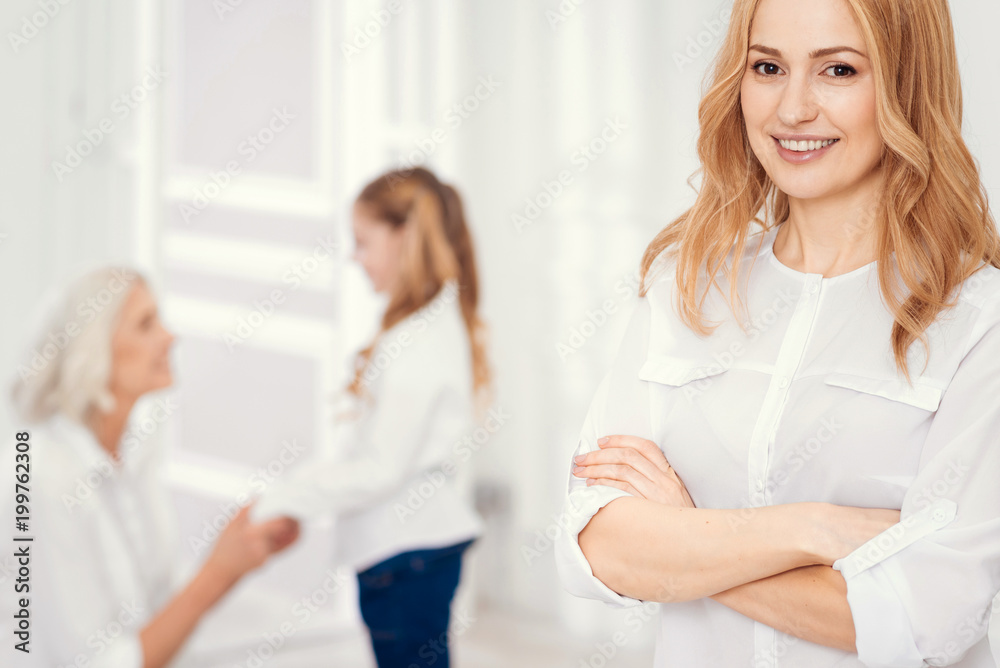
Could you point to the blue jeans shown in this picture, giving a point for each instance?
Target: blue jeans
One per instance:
(406, 605)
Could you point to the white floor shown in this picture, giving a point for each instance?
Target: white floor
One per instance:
(496, 639)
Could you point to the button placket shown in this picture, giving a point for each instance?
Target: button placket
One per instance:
(789, 358)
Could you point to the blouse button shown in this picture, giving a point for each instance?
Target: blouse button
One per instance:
(783, 383)
(813, 289)
(940, 515)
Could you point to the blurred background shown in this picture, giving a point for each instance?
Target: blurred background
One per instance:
(217, 145)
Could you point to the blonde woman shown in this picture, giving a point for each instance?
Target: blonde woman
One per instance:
(796, 450)
(403, 521)
(103, 588)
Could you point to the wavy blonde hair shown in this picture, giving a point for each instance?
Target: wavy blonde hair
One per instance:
(437, 248)
(937, 222)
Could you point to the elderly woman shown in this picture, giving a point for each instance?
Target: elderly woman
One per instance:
(813, 480)
(103, 588)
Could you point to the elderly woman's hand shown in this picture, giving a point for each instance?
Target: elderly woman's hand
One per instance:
(245, 546)
(636, 466)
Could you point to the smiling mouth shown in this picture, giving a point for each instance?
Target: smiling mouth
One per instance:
(804, 146)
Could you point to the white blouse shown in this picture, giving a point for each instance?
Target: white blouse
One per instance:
(397, 479)
(103, 549)
(808, 406)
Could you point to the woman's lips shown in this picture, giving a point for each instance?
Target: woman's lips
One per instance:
(799, 157)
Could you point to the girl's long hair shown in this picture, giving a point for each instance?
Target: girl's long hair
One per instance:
(937, 219)
(437, 247)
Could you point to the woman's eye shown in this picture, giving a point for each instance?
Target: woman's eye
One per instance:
(844, 71)
(767, 71)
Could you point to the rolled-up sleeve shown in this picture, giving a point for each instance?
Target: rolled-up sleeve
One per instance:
(922, 592)
(620, 406)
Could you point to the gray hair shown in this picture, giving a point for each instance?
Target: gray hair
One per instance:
(68, 368)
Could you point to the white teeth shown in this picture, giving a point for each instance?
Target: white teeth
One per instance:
(804, 145)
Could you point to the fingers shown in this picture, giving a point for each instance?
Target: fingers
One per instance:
(595, 464)
(617, 484)
(635, 465)
(621, 472)
(240, 519)
(288, 535)
(625, 477)
(279, 532)
(645, 447)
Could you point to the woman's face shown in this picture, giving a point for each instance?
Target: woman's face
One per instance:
(140, 347)
(377, 248)
(803, 81)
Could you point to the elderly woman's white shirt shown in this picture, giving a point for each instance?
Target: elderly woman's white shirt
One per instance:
(103, 549)
(808, 406)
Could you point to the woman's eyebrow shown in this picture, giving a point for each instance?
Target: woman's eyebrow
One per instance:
(818, 53)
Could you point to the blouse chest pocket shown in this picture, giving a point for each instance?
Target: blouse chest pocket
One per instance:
(679, 371)
(683, 394)
(920, 395)
(889, 419)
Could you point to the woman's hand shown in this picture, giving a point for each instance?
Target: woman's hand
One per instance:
(636, 466)
(843, 529)
(243, 546)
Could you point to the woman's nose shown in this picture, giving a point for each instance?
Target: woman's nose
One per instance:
(798, 102)
(169, 337)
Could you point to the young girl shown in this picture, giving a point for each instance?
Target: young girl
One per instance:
(836, 432)
(403, 522)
